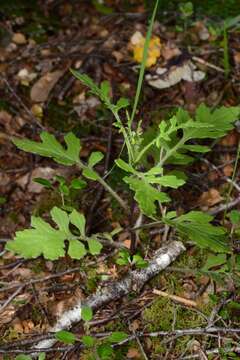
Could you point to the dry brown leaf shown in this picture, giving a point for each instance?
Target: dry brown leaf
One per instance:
(230, 140)
(7, 315)
(134, 325)
(170, 51)
(133, 353)
(210, 198)
(228, 170)
(40, 172)
(19, 39)
(236, 57)
(42, 88)
(127, 243)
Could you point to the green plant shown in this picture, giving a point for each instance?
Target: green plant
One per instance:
(125, 258)
(173, 144)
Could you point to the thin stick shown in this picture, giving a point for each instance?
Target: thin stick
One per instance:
(10, 299)
(35, 281)
(176, 298)
(208, 64)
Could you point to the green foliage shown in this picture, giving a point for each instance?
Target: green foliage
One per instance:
(45, 240)
(124, 258)
(50, 147)
(102, 92)
(234, 217)
(86, 313)
(186, 9)
(66, 337)
(197, 227)
(146, 195)
(41, 356)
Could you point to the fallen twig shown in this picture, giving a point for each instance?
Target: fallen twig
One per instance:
(178, 299)
(134, 281)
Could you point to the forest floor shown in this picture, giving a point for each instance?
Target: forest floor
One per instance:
(39, 43)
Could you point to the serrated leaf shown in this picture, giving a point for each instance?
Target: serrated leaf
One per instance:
(234, 217)
(122, 103)
(95, 158)
(60, 217)
(50, 147)
(41, 240)
(88, 341)
(101, 92)
(221, 119)
(95, 246)
(47, 241)
(63, 188)
(42, 356)
(117, 336)
(87, 81)
(76, 249)
(156, 170)
(86, 313)
(105, 88)
(44, 182)
(79, 221)
(197, 148)
(196, 225)
(90, 174)
(66, 337)
(146, 195)
(166, 180)
(180, 159)
(78, 184)
(23, 357)
(105, 352)
(125, 166)
(214, 260)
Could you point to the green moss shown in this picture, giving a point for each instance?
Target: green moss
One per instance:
(160, 316)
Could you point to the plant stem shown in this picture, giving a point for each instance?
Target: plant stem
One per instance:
(172, 151)
(108, 188)
(126, 138)
(144, 60)
(144, 150)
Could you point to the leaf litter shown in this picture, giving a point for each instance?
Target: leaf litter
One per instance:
(22, 60)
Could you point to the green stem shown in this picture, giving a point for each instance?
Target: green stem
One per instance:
(144, 150)
(172, 151)
(143, 63)
(108, 188)
(126, 138)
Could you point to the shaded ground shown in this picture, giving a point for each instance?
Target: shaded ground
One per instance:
(53, 37)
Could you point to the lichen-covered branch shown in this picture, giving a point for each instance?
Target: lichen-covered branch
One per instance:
(134, 281)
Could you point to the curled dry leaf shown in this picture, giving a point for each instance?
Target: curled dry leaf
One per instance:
(210, 198)
(41, 89)
(133, 353)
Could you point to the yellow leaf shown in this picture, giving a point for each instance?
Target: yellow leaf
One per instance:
(154, 50)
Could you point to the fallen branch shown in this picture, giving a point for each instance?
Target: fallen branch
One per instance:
(134, 281)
